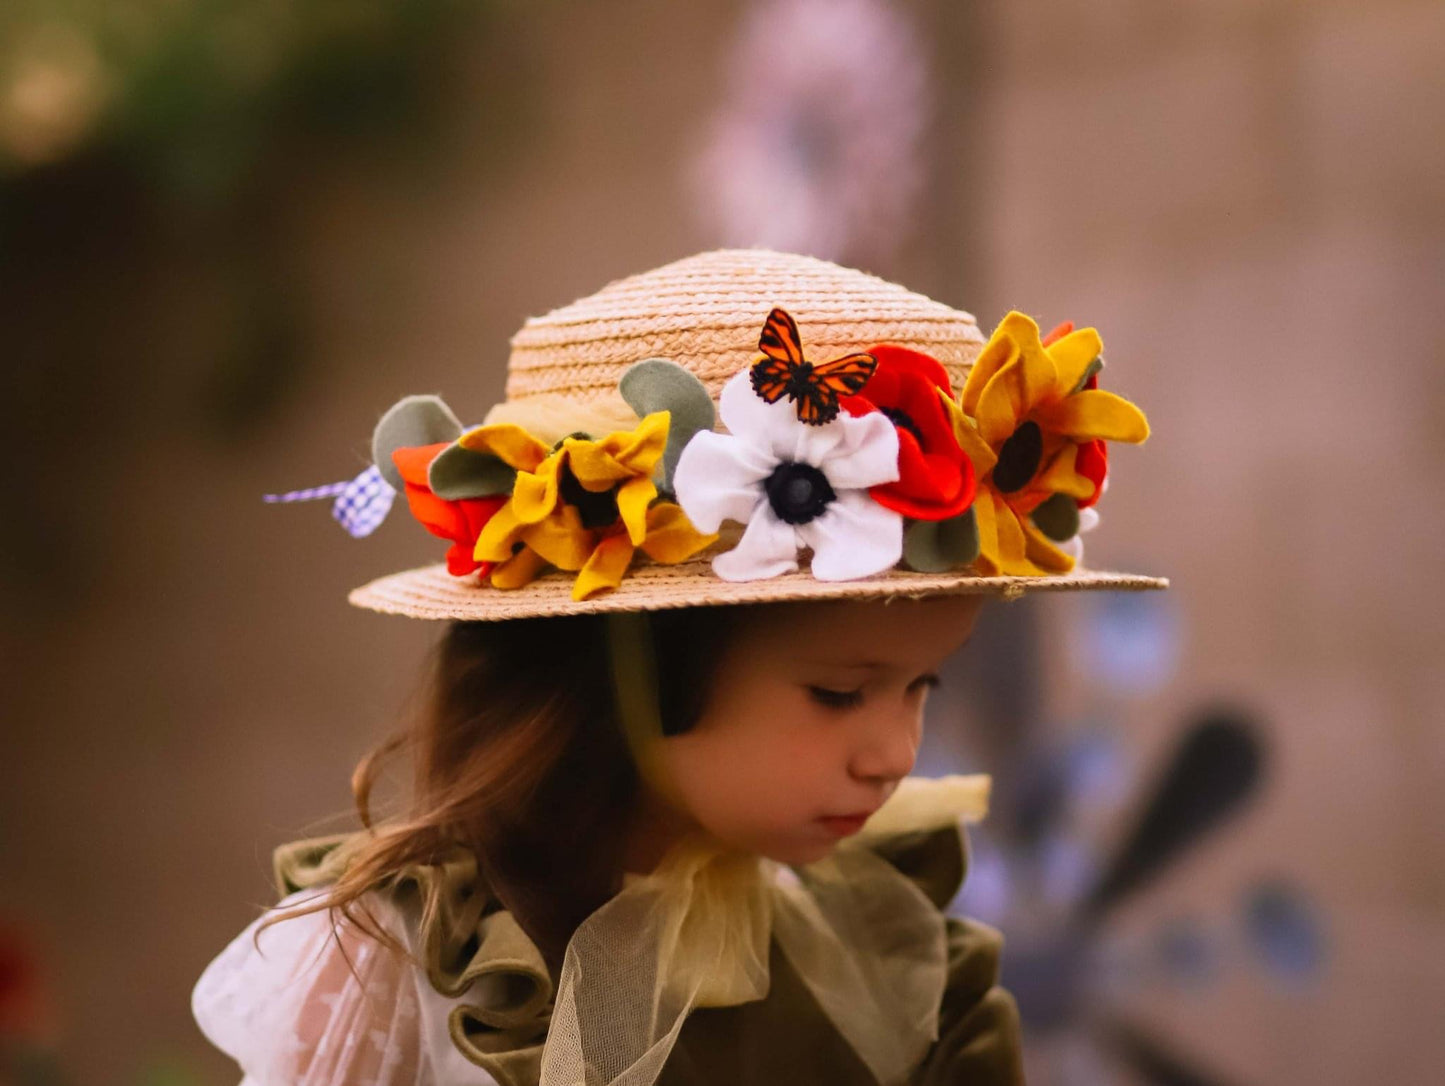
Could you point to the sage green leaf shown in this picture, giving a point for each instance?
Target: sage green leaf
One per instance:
(1058, 518)
(1092, 368)
(656, 384)
(937, 546)
(458, 473)
(411, 421)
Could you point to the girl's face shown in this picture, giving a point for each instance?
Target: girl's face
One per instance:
(815, 715)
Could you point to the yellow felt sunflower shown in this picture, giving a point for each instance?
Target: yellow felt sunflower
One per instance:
(582, 505)
(1030, 418)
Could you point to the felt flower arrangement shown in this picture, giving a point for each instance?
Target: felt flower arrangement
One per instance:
(1033, 420)
(514, 506)
(583, 506)
(793, 485)
(1001, 478)
(935, 477)
(461, 522)
(867, 462)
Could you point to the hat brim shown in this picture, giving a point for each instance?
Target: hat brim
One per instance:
(431, 592)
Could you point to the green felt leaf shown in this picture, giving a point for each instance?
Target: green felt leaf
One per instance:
(1058, 518)
(655, 384)
(937, 546)
(580, 435)
(1092, 368)
(459, 473)
(411, 421)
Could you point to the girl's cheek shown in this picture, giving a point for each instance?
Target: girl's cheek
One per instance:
(808, 770)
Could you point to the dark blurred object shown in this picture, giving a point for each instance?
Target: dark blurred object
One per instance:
(1214, 770)
(1065, 963)
(1151, 1062)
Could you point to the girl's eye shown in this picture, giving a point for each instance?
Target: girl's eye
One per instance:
(836, 699)
(925, 682)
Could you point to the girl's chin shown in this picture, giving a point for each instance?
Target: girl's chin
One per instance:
(796, 853)
(784, 847)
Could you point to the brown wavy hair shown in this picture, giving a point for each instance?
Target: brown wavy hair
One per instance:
(517, 755)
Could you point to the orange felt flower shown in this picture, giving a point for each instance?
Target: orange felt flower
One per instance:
(1092, 460)
(460, 521)
(584, 506)
(1033, 420)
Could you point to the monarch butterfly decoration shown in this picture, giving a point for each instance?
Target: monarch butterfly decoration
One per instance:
(816, 389)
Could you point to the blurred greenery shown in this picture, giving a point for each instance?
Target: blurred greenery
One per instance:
(191, 91)
(155, 158)
(168, 1071)
(26, 1064)
(141, 136)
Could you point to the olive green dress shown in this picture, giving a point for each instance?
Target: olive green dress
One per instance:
(498, 988)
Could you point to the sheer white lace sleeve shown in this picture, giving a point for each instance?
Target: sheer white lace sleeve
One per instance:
(291, 1011)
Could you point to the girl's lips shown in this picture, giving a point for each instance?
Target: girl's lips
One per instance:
(844, 825)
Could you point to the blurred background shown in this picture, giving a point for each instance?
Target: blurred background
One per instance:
(232, 232)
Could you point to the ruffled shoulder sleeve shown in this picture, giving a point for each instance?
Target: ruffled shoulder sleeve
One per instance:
(921, 833)
(305, 1002)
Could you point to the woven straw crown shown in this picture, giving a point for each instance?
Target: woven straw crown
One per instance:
(704, 313)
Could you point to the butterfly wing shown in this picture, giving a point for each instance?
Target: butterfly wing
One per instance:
(770, 377)
(816, 405)
(780, 340)
(816, 389)
(845, 376)
(831, 381)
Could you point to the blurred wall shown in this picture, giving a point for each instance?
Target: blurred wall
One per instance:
(1246, 199)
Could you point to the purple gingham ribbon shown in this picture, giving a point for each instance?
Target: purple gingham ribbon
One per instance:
(361, 503)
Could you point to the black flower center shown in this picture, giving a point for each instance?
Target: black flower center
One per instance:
(798, 492)
(597, 508)
(904, 421)
(1019, 458)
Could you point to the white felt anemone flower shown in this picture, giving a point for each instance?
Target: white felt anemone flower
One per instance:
(794, 486)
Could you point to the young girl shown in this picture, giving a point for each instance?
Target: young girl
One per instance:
(662, 826)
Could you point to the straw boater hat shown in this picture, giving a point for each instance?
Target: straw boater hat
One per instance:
(871, 444)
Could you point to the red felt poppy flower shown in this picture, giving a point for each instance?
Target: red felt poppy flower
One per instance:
(460, 521)
(935, 477)
(1092, 459)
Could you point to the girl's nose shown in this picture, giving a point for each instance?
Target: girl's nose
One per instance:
(887, 750)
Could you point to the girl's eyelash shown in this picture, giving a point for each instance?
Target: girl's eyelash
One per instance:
(836, 699)
(851, 699)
